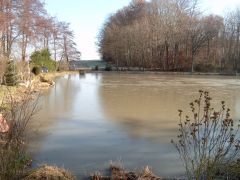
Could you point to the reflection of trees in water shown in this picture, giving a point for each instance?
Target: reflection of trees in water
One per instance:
(146, 106)
(59, 100)
(55, 105)
(61, 103)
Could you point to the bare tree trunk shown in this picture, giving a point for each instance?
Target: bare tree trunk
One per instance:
(24, 47)
(176, 57)
(167, 54)
(237, 49)
(55, 49)
(192, 62)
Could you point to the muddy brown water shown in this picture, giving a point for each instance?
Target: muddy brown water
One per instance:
(87, 121)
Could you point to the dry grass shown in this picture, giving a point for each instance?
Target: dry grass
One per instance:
(50, 173)
(18, 106)
(4, 90)
(119, 173)
(13, 157)
(36, 85)
(52, 75)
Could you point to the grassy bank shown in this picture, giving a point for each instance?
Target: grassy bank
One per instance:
(53, 75)
(36, 85)
(19, 105)
(4, 90)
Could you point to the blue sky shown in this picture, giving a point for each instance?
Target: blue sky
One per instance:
(87, 16)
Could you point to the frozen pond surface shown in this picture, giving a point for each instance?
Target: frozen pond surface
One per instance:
(87, 121)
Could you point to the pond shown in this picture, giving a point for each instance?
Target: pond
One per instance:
(87, 121)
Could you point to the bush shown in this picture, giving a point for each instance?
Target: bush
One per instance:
(108, 67)
(43, 59)
(13, 155)
(11, 75)
(205, 68)
(229, 171)
(63, 65)
(36, 70)
(96, 68)
(3, 64)
(207, 140)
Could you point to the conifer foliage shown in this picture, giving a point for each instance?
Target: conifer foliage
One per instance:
(11, 75)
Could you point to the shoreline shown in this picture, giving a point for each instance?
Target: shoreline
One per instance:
(37, 84)
(115, 172)
(167, 73)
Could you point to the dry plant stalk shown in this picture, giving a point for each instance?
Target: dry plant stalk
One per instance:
(117, 172)
(13, 157)
(208, 139)
(51, 173)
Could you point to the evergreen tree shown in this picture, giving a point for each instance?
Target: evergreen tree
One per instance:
(42, 58)
(11, 76)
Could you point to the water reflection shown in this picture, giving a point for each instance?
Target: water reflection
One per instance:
(146, 105)
(89, 120)
(57, 102)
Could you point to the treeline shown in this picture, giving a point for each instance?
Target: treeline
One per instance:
(171, 35)
(26, 26)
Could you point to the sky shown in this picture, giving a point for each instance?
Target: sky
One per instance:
(87, 17)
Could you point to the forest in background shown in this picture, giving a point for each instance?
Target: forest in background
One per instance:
(171, 35)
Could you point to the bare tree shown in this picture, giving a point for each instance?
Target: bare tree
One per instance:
(170, 35)
(69, 50)
(26, 25)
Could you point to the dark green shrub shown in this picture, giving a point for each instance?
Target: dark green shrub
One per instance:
(96, 68)
(11, 75)
(43, 59)
(36, 70)
(108, 67)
